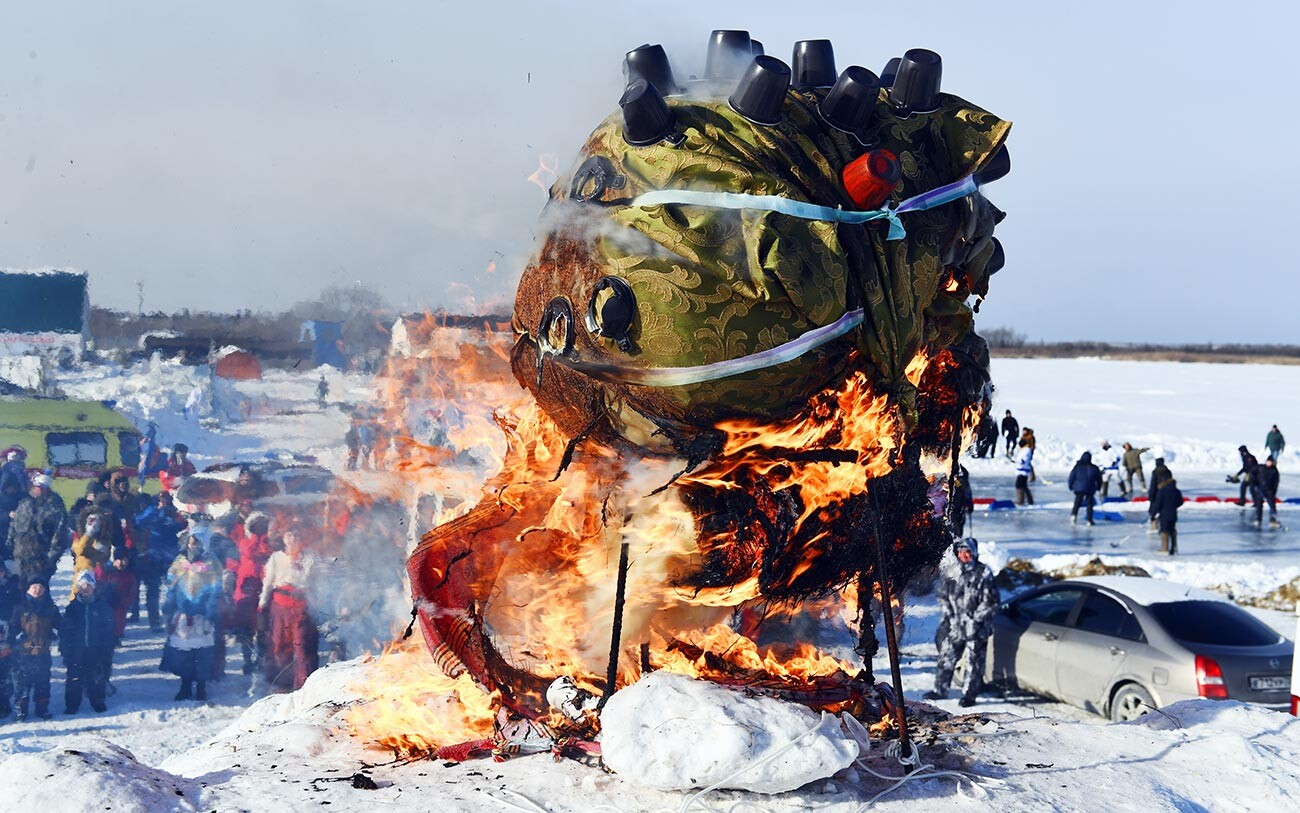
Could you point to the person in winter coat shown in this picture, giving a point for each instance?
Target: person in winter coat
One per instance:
(86, 641)
(292, 655)
(963, 501)
(986, 436)
(1274, 442)
(118, 586)
(93, 548)
(1268, 477)
(178, 468)
(33, 628)
(253, 541)
(193, 609)
(1010, 431)
(38, 531)
(11, 592)
(1158, 475)
(1167, 500)
(1085, 480)
(1024, 470)
(1246, 476)
(968, 601)
(1107, 459)
(1132, 461)
(13, 484)
(162, 525)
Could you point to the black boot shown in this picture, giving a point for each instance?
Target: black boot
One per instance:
(201, 692)
(186, 690)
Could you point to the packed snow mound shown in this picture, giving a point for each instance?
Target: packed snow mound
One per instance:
(671, 732)
(91, 773)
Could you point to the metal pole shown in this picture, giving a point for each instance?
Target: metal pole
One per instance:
(891, 636)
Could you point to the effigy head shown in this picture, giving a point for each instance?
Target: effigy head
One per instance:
(728, 247)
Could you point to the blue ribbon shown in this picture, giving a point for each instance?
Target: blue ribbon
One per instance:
(811, 211)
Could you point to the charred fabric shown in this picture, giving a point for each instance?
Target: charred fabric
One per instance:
(755, 283)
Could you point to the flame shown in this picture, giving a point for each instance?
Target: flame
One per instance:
(413, 709)
(543, 584)
(548, 169)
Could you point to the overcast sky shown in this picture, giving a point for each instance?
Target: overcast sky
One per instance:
(246, 154)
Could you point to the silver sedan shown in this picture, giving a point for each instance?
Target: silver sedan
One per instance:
(1121, 646)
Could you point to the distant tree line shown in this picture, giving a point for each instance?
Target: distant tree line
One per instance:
(1014, 343)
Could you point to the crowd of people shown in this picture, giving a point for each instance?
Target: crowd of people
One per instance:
(1092, 475)
(203, 580)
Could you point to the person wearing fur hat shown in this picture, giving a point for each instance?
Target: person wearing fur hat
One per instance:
(38, 530)
(193, 610)
(33, 628)
(968, 600)
(86, 640)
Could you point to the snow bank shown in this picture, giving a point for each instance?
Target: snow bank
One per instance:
(671, 732)
(91, 773)
(1235, 579)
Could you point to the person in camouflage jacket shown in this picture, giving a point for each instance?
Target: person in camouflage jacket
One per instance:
(38, 534)
(968, 600)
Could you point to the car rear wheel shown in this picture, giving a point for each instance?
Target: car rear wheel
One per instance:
(1130, 703)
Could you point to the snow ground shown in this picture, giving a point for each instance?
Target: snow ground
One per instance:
(290, 752)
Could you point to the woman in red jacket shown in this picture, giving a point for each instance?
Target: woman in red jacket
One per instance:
(251, 537)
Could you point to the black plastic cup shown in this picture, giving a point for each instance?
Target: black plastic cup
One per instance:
(889, 72)
(647, 118)
(998, 259)
(852, 101)
(997, 167)
(649, 62)
(729, 53)
(916, 87)
(813, 64)
(760, 95)
(756, 48)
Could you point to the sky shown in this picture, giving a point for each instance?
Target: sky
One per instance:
(246, 155)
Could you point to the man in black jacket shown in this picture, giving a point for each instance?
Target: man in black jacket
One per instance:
(86, 639)
(1158, 475)
(1085, 479)
(1246, 476)
(1166, 503)
(1010, 431)
(1267, 477)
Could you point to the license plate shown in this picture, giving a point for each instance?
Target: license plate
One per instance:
(1266, 684)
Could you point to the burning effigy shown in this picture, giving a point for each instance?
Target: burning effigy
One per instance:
(748, 336)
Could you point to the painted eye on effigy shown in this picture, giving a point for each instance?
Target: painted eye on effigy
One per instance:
(610, 312)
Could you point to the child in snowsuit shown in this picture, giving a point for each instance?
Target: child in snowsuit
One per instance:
(86, 640)
(968, 601)
(33, 627)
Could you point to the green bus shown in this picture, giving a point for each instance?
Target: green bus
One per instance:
(74, 440)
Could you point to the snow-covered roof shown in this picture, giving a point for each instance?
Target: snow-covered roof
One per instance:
(1147, 591)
